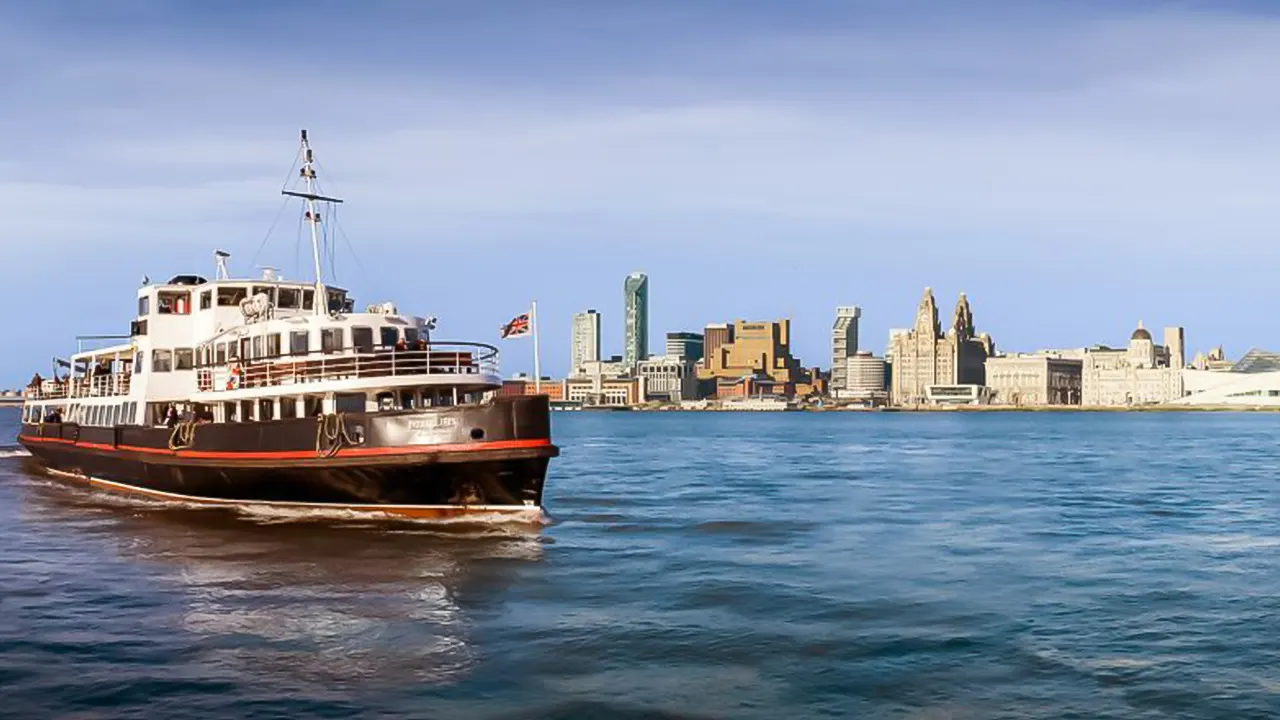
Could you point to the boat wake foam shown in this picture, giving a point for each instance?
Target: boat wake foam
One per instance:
(12, 451)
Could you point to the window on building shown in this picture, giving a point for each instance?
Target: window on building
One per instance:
(161, 360)
(229, 412)
(308, 299)
(313, 405)
(266, 409)
(411, 335)
(288, 408)
(220, 354)
(231, 296)
(362, 339)
(273, 345)
(173, 303)
(137, 364)
(183, 359)
(206, 299)
(289, 298)
(388, 336)
(298, 342)
(257, 347)
(337, 300)
(331, 340)
(144, 306)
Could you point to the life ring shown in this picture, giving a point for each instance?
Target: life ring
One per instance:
(233, 382)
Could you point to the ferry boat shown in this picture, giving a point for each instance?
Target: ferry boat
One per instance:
(272, 392)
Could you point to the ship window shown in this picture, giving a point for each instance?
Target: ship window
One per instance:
(312, 405)
(113, 416)
(257, 347)
(289, 298)
(137, 327)
(288, 408)
(244, 348)
(298, 344)
(230, 296)
(270, 292)
(206, 299)
(362, 339)
(161, 360)
(273, 345)
(406, 400)
(229, 412)
(220, 354)
(233, 350)
(331, 339)
(308, 299)
(337, 301)
(144, 306)
(388, 336)
(137, 364)
(411, 335)
(183, 359)
(173, 303)
(246, 410)
(266, 409)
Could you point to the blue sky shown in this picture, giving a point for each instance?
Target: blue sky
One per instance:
(1073, 166)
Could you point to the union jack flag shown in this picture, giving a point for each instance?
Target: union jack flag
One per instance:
(518, 326)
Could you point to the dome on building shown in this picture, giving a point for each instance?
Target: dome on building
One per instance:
(1141, 333)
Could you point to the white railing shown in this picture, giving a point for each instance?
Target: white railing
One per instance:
(453, 359)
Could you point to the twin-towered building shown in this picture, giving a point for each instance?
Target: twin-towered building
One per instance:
(930, 364)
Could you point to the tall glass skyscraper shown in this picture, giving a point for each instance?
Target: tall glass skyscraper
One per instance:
(635, 300)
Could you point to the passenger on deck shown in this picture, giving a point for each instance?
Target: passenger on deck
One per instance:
(54, 416)
(171, 416)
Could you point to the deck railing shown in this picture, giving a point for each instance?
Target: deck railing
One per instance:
(107, 385)
(461, 359)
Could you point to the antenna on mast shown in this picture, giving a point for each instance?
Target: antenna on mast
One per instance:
(220, 261)
(308, 173)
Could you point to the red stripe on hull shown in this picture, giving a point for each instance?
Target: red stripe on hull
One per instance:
(306, 454)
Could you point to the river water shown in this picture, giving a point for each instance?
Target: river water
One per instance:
(696, 565)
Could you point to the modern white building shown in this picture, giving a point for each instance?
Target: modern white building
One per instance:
(1253, 381)
(586, 340)
(865, 378)
(844, 343)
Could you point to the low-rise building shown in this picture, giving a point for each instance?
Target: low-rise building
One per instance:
(668, 378)
(599, 391)
(524, 385)
(1034, 379)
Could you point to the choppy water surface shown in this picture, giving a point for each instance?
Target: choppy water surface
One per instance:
(699, 565)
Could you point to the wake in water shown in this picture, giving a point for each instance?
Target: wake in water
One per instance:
(13, 451)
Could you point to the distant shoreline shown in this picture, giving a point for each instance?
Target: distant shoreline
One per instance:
(971, 409)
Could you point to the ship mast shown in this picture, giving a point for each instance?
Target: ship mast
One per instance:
(308, 173)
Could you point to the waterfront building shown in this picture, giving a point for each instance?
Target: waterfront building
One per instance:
(760, 350)
(1253, 381)
(925, 356)
(714, 337)
(586, 340)
(607, 392)
(635, 296)
(844, 343)
(864, 378)
(524, 385)
(1034, 379)
(687, 346)
(1143, 373)
(668, 378)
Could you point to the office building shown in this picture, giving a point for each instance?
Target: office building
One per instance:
(668, 378)
(844, 343)
(925, 357)
(686, 346)
(586, 340)
(761, 350)
(635, 297)
(1034, 379)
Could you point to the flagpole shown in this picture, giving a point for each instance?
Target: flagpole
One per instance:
(537, 366)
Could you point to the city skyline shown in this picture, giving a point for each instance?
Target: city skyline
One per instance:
(1074, 166)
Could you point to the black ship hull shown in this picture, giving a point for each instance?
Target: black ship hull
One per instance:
(441, 462)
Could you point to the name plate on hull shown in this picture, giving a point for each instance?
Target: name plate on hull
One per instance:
(430, 430)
